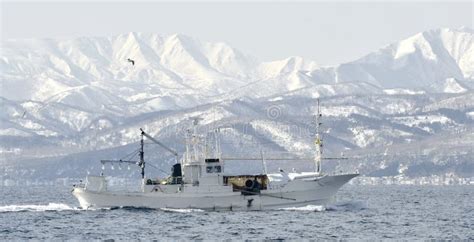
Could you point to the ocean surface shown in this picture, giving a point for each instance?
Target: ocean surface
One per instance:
(360, 212)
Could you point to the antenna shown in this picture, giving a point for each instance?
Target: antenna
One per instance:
(142, 156)
(216, 137)
(319, 141)
(194, 139)
(216, 131)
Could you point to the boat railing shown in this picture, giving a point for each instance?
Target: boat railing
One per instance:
(80, 185)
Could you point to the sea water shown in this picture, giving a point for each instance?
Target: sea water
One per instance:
(360, 212)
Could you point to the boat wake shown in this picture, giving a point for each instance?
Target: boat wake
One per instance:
(36, 208)
(181, 210)
(310, 208)
(145, 209)
(347, 206)
(340, 206)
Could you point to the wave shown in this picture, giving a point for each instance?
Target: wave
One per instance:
(182, 210)
(340, 206)
(36, 208)
(347, 206)
(310, 208)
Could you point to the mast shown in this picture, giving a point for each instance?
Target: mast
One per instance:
(186, 138)
(318, 142)
(194, 139)
(217, 149)
(142, 157)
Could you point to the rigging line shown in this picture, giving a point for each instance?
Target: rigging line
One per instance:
(136, 153)
(128, 157)
(130, 154)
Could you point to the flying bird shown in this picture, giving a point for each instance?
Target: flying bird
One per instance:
(131, 61)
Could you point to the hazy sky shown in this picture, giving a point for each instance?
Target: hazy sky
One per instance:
(327, 32)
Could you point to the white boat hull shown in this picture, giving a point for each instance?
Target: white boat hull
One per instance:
(295, 193)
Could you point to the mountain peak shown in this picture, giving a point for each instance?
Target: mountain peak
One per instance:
(466, 29)
(416, 62)
(181, 38)
(180, 62)
(438, 31)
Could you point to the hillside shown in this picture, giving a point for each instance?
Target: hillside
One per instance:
(67, 103)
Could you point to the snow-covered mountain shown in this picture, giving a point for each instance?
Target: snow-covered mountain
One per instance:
(439, 60)
(70, 102)
(177, 65)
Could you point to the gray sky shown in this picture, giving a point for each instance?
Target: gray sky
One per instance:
(326, 32)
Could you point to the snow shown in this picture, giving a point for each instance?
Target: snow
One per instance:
(286, 66)
(423, 119)
(460, 46)
(363, 137)
(452, 86)
(280, 134)
(414, 63)
(13, 132)
(29, 124)
(401, 91)
(405, 47)
(418, 43)
(81, 95)
(343, 111)
(470, 114)
(401, 106)
(179, 65)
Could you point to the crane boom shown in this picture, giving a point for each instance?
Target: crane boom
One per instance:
(160, 144)
(266, 158)
(119, 161)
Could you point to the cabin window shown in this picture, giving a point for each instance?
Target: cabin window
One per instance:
(213, 169)
(212, 160)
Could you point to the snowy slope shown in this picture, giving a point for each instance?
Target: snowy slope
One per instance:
(428, 128)
(174, 65)
(178, 65)
(423, 61)
(71, 102)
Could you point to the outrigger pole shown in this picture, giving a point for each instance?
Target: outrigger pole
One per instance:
(119, 161)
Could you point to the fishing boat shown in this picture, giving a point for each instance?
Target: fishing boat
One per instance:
(199, 180)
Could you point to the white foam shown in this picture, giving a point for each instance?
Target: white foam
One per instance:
(36, 208)
(311, 208)
(182, 210)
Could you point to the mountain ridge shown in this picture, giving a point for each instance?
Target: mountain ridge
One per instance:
(179, 61)
(80, 99)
